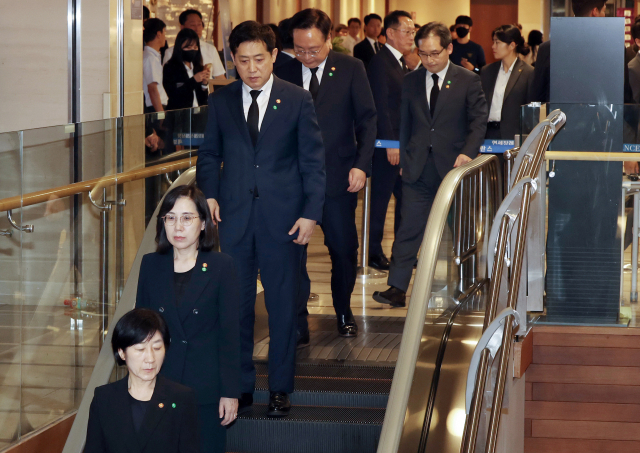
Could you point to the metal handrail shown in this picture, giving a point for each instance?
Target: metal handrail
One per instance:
(421, 290)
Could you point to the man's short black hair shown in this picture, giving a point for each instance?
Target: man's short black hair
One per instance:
(135, 327)
(151, 29)
(368, 18)
(635, 31)
(285, 34)
(434, 29)
(276, 32)
(464, 20)
(207, 236)
(251, 31)
(354, 19)
(310, 18)
(582, 8)
(146, 14)
(184, 15)
(393, 18)
(452, 28)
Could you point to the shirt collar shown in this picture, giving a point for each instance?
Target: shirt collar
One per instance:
(396, 53)
(320, 66)
(372, 41)
(153, 51)
(510, 68)
(266, 88)
(442, 74)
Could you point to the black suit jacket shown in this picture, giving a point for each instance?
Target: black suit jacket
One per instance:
(205, 329)
(165, 428)
(287, 165)
(458, 126)
(385, 76)
(180, 87)
(364, 51)
(281, 58)
(515, 95)
(346, 115)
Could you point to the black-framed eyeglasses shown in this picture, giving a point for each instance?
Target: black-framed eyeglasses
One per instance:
(185, 219)
(433, 55)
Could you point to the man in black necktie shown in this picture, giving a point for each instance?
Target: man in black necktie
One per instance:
(347, 117)
(266, 198)
(369, 46)
(386, 72)
(443, 123)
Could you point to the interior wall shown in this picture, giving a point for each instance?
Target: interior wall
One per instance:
(94, 70)
(432, 10)
(487, 16)
(531, 16)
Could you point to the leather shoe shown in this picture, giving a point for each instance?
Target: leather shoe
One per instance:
(245, 403)
(379, 262)
(393, 296)
(303, 340)
(347, 326)
(279, 404)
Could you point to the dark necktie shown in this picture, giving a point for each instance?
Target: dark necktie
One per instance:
(435, 91)
(404, 65)
(376, 46)
(253, 117)
(314, 84)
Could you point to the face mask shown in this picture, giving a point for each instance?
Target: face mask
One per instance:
(189, 55)
(462, 32)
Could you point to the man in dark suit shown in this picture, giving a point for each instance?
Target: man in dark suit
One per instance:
(266, 199)
(286, 55)
(347, 117)
(444, 120)
(386, 71)
(369, 46)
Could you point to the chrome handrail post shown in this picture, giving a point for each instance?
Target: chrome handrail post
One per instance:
(364, 271)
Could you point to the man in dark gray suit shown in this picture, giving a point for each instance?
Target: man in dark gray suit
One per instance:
(443, 123)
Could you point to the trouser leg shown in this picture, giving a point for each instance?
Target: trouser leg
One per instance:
(303, 295)
(384, 178)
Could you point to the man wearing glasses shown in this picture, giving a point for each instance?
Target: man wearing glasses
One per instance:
(386, 71)
(443, 123)
(347, 118)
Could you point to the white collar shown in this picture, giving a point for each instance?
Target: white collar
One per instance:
(396, 53)
(442, 74)
(265, 88)
(510, 68)
(320, 66)
(372, 41)
(152, 50)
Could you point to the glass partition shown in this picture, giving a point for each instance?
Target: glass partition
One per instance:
(62, 281)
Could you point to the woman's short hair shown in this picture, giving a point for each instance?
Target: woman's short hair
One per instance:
(188, 37)
(434, 29)
(508, 34)
(135, 327)
(207, 236)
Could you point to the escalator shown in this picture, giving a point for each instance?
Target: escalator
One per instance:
(402, 385)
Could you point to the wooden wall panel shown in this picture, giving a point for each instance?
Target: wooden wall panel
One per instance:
(487, 15)
(607, 412)
(541, 445)
(585, 393)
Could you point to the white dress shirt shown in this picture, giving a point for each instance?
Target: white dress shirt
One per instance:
(152, 73)
(441, 75)
(209, 55)
(306, 74)
(495, 114)
(396, 53)
(262, 100)
(373, 43)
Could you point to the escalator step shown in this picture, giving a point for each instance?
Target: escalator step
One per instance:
(337, 399)
(307, 429)
(335, 369)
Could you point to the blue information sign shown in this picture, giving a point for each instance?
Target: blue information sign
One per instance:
(387, 144)
(497, 146)
(188, 139)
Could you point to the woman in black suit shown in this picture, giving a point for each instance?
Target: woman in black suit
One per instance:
(183, 76)
(196, 291)
(142, 412)
(506, 83)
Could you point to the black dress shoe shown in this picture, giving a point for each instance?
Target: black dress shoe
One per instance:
(279, 404)
(393, 296)
(379, 262)
(347, 326)
(303, 340)
(245, 403)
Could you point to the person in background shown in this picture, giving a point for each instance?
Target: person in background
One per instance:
(341, 30)
(533, 41)
(192, 18)
(443, 124)
(506, 83)
(467, 53)
(369, 46)
(353, 36)
(146, 14)
(386, 72)
(286, 39)
(184, 77)
(340, 33)
(382, 38)
(195, 289)
(143, 408)
(155, 97)
(452, 30)
(634, 65)
(261, 167)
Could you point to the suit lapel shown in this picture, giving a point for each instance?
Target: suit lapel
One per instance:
(158, 408)
(237, 110)
(297, 73)
(167, 284)
(273, 109)
(199, 280)
(421, 92)
(327, 78)
(513, 78)
(448, 84)
(392, 60)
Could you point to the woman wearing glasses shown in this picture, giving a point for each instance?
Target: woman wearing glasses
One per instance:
(195, 290)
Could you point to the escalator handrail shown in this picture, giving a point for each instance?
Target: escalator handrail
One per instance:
(105, 363)
(416, 312)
